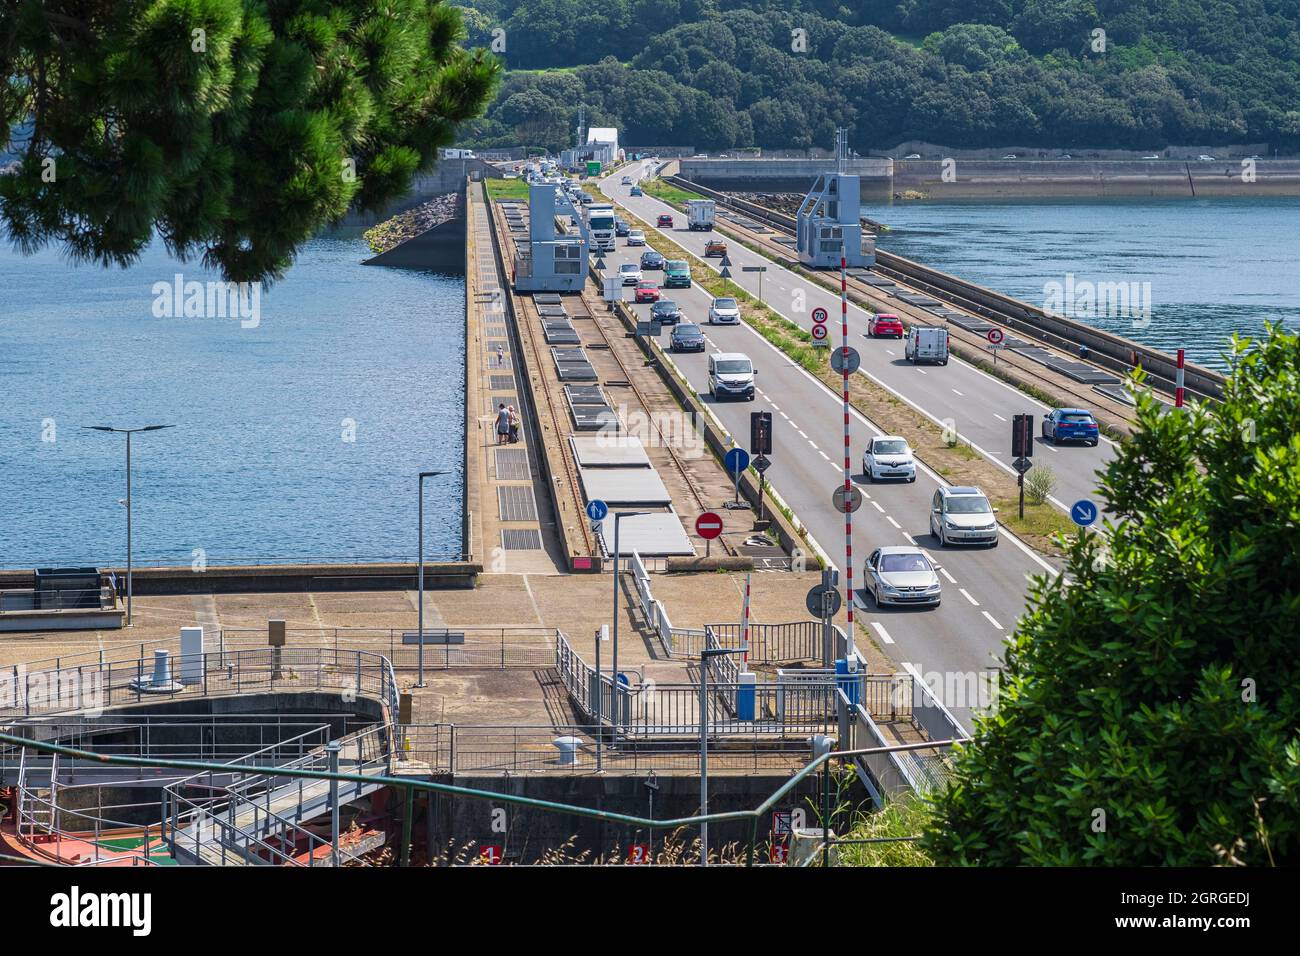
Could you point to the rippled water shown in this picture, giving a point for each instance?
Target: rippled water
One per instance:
(296, 440)
(1215, 266)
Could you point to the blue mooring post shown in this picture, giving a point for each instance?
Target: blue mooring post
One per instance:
(746, 694)
(849, 681)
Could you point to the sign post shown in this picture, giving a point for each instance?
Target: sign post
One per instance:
(760, 270)
(995, 338)
(708, 526)
(736, 461)
(820, 331)
(1022, 447)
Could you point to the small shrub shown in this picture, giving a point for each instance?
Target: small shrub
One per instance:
(1039, 484)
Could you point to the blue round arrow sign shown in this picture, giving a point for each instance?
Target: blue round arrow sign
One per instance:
(597, 509)
(1083, 512)
(737, 460)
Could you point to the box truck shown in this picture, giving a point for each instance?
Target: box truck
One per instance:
(699, 214)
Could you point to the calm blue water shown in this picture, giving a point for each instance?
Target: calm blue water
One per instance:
(1215, 266)
(257, 468)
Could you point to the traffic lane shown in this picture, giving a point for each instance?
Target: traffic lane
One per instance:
(983, 592)
(944, 398)
(961, 638)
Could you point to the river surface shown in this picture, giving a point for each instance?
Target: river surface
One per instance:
(1197, 270)
(300, 426)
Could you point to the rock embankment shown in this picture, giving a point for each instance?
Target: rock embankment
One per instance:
(410, 223)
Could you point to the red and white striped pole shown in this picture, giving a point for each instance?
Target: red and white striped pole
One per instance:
(1178, 382)
(848, 458)
(744, 625)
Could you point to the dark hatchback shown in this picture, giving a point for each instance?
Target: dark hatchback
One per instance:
(652, 260)
(621, 227)
(666, 311)
(687, 337)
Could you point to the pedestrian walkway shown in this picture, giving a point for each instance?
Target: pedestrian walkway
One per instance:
(513, 522)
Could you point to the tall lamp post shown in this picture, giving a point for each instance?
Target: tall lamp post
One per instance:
(128, 432)
(707, 654)
(420, 574)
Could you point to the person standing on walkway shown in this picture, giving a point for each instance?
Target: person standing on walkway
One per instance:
(503, 424)
(501, 355)
(514, 425)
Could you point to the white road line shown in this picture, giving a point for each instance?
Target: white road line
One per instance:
(966, 595)
(813, 443)
(990, 619)
(880, 629)
(921, 370)
(785, 416)
(893, 522)
(776, 407)
(910, 539)
(955, 392)
(802, 433)
(998, 417)
(944, 572)
(822, 453)
(877, 507)
(891, 352)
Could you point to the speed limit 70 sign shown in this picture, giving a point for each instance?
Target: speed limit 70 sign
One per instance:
(819, 330)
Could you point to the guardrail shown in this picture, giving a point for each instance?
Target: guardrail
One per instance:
(69, 599)
(115, 681)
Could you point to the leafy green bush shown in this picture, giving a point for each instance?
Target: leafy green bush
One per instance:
(1149, 708)
(1040, 482)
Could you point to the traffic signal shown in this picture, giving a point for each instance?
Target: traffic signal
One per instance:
(760, 433)
(1022, 436)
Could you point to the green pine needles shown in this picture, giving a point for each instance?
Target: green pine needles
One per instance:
(234, 129)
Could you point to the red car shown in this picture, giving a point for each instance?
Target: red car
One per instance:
(647, 292)
(665, 222)
(884, 324)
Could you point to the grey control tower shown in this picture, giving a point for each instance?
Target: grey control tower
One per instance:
(829, 222)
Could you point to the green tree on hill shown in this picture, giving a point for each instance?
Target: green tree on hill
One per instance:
(1150, 709)
(234, 129)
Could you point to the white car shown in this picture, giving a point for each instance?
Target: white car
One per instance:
(724, 311)
(1010, 156)
(1203, 158)
(912, 156)
(627, 180)
(902, 574)
(636, 237)
(630, 273)
(963, 515)
(888, 457)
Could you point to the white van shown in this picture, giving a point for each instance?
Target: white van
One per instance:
(731, 375)
(926, 343)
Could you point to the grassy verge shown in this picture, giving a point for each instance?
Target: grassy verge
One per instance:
(957, 462)
(668, 192)
(507, 189)
(902, 817)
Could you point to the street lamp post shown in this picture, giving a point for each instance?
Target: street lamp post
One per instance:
(420, 576)
(706, 655)
(128, 432)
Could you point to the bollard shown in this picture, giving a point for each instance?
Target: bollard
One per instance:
(568, 748)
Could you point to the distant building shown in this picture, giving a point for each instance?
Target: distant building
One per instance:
(603, 136)
(829, 225)
(551, 261)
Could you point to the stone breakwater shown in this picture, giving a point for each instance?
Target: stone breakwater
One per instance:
(411, 223)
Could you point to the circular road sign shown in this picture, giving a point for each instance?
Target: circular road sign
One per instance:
(817, 595)
(708, 525)
(820, 315)
(819, 333)
(845, 364)
(1083, 512)
(854, 500)
(996, 336)
(736, 460)
(597, 509)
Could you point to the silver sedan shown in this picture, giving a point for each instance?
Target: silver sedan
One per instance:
(902, 575)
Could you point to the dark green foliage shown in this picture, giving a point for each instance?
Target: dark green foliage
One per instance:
(1162, 687)
(234, 128)
(973, 73)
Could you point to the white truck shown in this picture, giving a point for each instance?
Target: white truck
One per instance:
(699, 214)
(926, 343)
(601, 226)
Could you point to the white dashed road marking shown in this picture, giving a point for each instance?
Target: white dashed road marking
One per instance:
(966, 595)
(989, 618)
(880, 629)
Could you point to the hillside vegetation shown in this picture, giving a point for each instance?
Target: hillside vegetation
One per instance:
(723, 74)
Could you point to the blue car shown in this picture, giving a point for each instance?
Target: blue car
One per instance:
(1070, 424)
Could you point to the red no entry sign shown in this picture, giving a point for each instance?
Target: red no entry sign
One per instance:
(818, 332)
(996, 336)
(708, 525)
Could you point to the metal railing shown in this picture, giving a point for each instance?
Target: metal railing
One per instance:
(63, 599)
(499, 647)
(462, 749)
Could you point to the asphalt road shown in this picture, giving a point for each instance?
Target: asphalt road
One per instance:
(983, 588)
